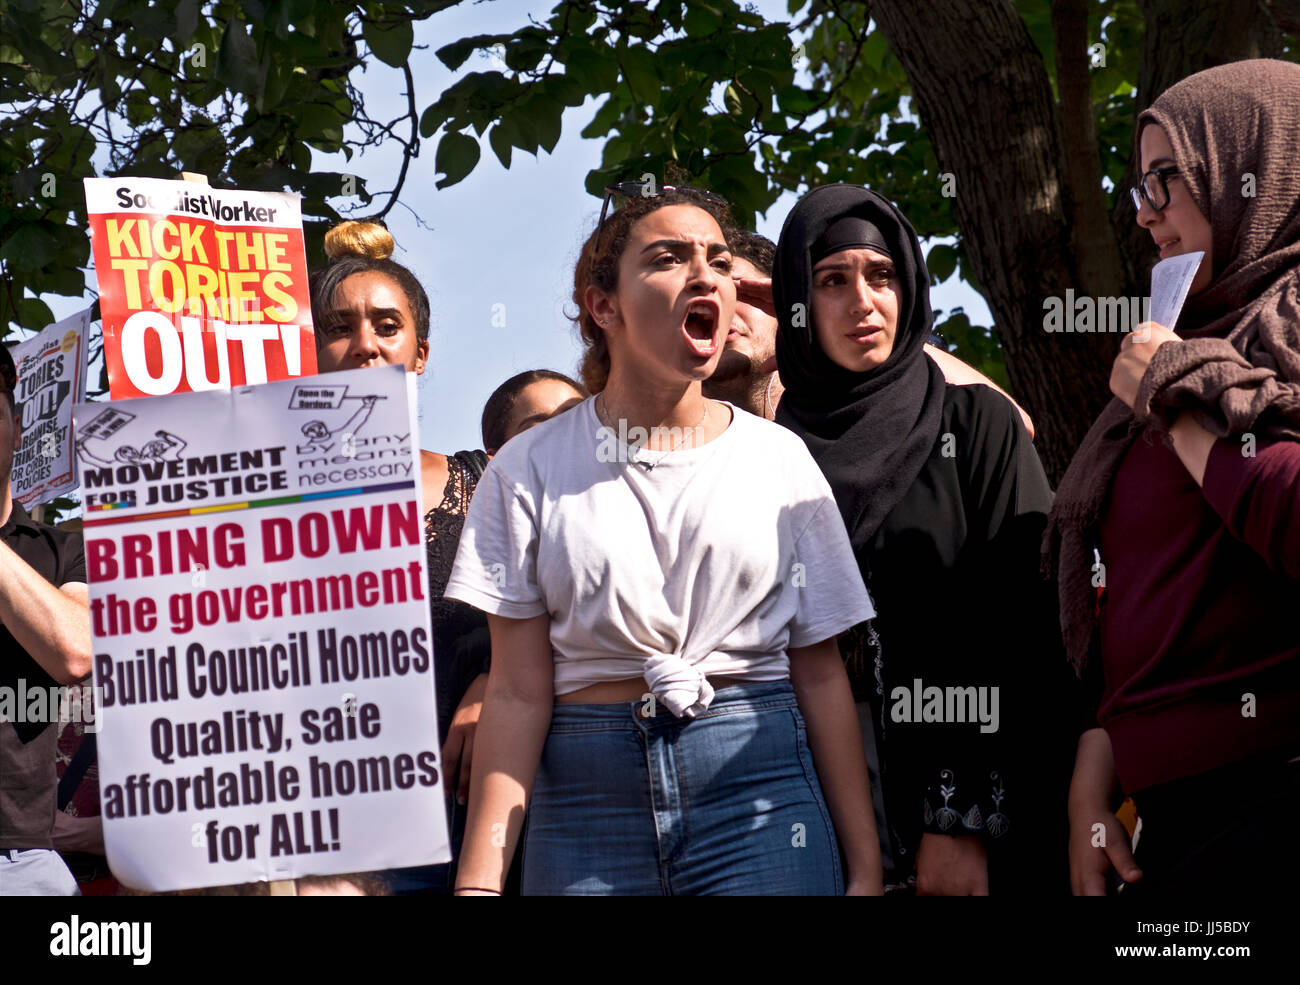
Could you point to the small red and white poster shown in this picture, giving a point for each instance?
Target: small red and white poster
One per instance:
(200, 288)
(51, 379)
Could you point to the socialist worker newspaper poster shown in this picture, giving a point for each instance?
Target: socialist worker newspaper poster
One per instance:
(200, 288)
(260, 616)
(51, 381)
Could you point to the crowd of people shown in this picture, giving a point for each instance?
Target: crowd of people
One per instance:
(789, 604)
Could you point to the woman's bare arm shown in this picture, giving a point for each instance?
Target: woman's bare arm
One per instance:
(1098, 841)
(835, 738)
(507, 748)
(961, 373)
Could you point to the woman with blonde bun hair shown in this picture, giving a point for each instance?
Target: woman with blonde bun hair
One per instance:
(370, 310)
(363, 239)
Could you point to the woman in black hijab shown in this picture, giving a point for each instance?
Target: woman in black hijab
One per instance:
(945, 502)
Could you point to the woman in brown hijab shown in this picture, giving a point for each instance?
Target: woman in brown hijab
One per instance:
(1183, 504)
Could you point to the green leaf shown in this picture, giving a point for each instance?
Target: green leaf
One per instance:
(433, 117)
(874, 49)
(566, 89)
(605, 119)
(941, 263)
(300, 154)
(237, 59)
(33, 313)
(320, 124)
(732, 101)
(456, 157)
(391, 44)
(29, 248)
(502, 140)
(594, 71)
(795, 101)
(640, 74)
(187, 19)
(34, 50)
(455, 54)
(527, 49)
(701, 19)
(549, 115)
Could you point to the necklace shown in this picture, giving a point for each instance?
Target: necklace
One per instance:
(770, 411)
(645, 463)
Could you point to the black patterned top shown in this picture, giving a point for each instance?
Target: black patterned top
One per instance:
(461, 646)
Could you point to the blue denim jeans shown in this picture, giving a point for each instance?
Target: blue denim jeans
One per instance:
(727, 803)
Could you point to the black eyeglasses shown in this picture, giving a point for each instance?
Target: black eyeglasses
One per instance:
(647, 189)
(1153, 188)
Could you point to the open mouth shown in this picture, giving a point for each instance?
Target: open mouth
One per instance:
(700, 326)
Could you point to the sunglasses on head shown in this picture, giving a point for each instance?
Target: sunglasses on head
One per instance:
(647, 189)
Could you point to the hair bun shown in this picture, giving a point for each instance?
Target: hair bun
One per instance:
(365, 239)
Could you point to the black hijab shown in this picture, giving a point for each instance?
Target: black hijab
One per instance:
(871, 432)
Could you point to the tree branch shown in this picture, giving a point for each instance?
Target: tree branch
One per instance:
(409, 150)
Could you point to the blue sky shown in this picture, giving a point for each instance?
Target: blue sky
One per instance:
(499, 237)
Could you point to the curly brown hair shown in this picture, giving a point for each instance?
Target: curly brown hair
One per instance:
(599, 269)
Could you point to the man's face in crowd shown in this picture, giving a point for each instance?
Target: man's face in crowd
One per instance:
(752, 338)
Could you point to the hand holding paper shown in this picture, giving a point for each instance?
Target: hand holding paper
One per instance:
(1170, 281)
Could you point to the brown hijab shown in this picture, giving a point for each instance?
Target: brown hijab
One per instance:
(1234, 130)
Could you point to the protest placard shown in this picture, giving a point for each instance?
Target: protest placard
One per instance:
(260, 615)
(199, 288)
(51, 380)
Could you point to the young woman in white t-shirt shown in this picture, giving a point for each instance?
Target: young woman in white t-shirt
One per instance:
(664, 578)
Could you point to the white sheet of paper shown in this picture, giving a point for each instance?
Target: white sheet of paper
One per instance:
(1170, 280)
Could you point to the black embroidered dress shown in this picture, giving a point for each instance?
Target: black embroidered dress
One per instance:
(953, 574)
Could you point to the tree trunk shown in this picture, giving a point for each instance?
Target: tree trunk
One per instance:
(1101, 270)
(983, 95)
(1184, 37)
(1025, 203)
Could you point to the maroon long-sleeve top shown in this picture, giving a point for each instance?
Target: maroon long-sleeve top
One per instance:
(1200, 624)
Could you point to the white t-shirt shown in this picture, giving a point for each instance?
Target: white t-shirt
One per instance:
(714, 562)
